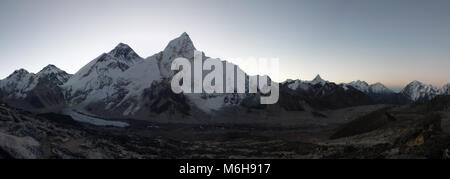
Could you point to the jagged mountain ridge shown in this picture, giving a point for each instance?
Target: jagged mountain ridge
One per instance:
(446, 89)
(320, 93)
(33, 92)
(376, 88)
(126, 91)
(379, 93)
(417, 91)
(121, 83)
(414, 91)
(97, 77)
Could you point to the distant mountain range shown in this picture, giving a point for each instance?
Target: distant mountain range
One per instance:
(121, 84)
(35, 91)
(419, 91)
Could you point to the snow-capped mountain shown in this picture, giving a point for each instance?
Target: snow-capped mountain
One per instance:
(305, 85)
(34, 91)
(446, 89)
(179, 47)
(295, 84)
(122, 84)
(379, 88)
(379, 93)
(95, 80)
(18, 84)
(53, 74)
(360, 85)
(184, 47)
(319, 93)
(318, 80)
(418, 91)
(376, 88)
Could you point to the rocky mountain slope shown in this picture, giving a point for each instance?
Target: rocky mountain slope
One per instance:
(35, 92)
(419, 91)
(320, 93)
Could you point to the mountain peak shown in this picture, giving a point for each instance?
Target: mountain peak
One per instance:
(379, 88)
(124, 51)
(179, 47)
(318, 80)
(182, 44)
(184, 34)
(52, 72)
(417, 90)
(415, 82)
(446, 89)
(122, 46)
(50, 68)
(21, 71)
(360, 85)
(18, 73)
(363, 82)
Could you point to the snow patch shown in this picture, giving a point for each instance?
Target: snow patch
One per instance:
(80, 117)
(208, 104)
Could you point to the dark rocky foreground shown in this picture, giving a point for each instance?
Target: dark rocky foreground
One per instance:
(386, 133)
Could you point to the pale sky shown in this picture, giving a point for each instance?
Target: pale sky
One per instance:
(388, 41)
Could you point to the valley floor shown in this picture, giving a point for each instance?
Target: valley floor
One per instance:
(361, 132)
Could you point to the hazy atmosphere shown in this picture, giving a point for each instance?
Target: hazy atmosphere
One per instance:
(388, 41)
